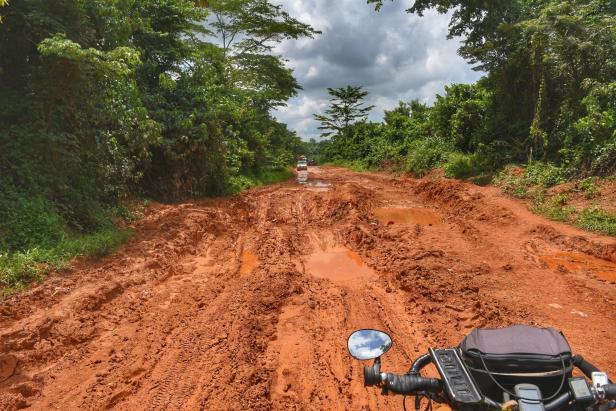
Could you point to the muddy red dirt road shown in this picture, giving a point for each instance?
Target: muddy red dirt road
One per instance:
(247, 302)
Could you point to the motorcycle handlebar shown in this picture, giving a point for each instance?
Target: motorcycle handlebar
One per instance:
(584, 366)
(412, 383)
(559, 402)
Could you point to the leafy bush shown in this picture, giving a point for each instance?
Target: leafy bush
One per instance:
(237, 184)
(511, 180)
(462, 166)
(271, 176)
(544, 174)
(553, 208)
(17, 269)
(425, 155)
(588, 186)
(240, 183)
(595, 219)
(354, 165)
(27, 222)
(605, 161)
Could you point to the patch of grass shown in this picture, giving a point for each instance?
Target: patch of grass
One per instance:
(554, 208)
(18, 269)
(588, 187)
(240, 183)
(274, 176)
(596, 219)
(511, 181)
(532, 183)
(526, 182)
(354, 165)
(544, 174)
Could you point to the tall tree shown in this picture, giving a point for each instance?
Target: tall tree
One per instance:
(346, 108)
(247, 31)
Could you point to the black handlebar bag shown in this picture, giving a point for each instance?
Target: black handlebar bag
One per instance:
(498, 359)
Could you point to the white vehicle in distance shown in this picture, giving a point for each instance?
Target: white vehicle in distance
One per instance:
(302, 165)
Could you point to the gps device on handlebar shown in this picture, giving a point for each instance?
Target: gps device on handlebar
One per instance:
(529, 397)
(521, 368)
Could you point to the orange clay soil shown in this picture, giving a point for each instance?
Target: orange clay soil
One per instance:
(247, 302)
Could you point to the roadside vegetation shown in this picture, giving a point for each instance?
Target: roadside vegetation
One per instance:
(105, 102)
(574, 202)
(546, 104)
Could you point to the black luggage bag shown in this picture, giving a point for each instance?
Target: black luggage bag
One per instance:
(502, 358)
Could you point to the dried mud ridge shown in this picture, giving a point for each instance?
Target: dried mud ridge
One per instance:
(220, 304)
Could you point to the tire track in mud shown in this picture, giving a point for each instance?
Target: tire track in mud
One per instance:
(178, 320)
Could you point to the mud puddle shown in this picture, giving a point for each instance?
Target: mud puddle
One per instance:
(339, 265)
(250, 261)
(412, 215)
(318, 185)
(573, 261)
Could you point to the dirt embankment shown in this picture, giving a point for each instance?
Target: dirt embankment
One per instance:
(246, 303)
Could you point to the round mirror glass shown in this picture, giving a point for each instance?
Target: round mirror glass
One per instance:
(368, 344)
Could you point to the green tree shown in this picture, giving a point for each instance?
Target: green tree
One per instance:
(346, 108)
(460, 116)
(111, 99)
(248, 30)
(544, 62)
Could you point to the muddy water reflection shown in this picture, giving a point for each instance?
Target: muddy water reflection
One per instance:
(606, 270)
(338, 265)
(315, 185)
(250, 261)
(421, 216)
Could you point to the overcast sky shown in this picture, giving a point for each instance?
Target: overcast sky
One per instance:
(393, 55)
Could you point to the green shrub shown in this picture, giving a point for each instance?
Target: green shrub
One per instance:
(553, 208)
(461, 166)
(240, 183)
(511, 180)
(604, 163)
(588, 186)
(28, 222)
(354, 165)
(237, 184)
(595, 219)
(272, 176)
(544, 174)
(426, 154)
(17, 269)
(523, 183)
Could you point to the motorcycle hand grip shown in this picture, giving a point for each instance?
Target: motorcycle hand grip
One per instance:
(409, 384)
(610, 391)
(372, 375)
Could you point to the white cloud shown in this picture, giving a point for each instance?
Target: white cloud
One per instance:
(393, 55)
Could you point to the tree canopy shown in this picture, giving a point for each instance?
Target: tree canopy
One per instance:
(345, 109)
(547, 93)
(101, 101)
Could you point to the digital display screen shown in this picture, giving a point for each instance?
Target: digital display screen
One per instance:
(529, 398)
(580, 388)
(528, 394)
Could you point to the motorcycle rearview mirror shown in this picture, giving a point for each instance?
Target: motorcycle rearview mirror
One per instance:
(368, 344)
